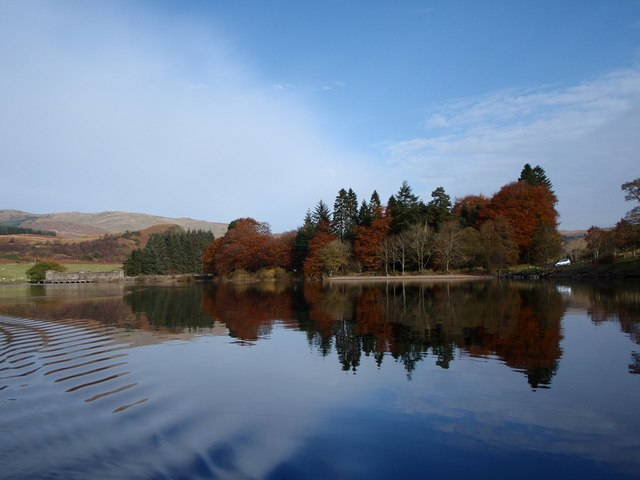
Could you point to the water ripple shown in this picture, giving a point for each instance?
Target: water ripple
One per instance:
(78, 350)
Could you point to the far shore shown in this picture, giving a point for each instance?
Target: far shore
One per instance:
(454, 277)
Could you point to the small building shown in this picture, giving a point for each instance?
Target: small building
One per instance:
(84, 277)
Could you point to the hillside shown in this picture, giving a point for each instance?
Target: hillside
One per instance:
(76, 224)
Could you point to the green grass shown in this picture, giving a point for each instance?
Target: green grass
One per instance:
(15, 272)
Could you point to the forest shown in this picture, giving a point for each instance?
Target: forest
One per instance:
(517, 225)
(171, 252)
(407, 234)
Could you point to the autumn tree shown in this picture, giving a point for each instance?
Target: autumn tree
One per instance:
(313, 264)
(243, 247)
(599, 241)
(369, 240)
(468, 209)
(526, 208)
(498, 248)
(334, 257)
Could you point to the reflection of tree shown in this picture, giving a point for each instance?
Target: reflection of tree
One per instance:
(615, 301)
(248, 310)
(414, 322)
(175, 307)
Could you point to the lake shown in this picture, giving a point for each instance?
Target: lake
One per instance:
(487, 379)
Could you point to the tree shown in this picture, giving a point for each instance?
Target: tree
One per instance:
(599, 241)
(313, 266)
(38, 271)
(498, 248)
(632, 192)
(546, 245)
(525, 208)
(368, 243)
(334, 256)
(421, 239)
(469, 209)
(321, 216)
(368, 211)
(535, 176)
(448, 244)
(403, 208)
(345, 214)
(439, 208)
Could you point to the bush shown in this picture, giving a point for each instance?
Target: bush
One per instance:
(606, 259)
(38, 271)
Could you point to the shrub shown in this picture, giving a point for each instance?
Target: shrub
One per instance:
(38, 271)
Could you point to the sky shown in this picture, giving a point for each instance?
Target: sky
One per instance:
(217, 110)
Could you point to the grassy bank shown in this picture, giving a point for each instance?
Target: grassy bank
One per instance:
(15, 272)
(620, 268)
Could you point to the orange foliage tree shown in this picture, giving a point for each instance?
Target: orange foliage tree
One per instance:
(313, 267)
(525, 208)
(248, 245)
(369, 242)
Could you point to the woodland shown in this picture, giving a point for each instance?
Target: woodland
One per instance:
(516, 225)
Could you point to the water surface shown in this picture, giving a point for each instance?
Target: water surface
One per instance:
(490, 379)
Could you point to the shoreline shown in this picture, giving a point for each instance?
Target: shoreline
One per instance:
(408, 278)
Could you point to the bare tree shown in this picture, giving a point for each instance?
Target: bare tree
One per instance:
(448, 243)
(421, 243)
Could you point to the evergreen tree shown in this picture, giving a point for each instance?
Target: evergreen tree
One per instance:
(321, 216)
(404, 209)
(535, 176)
(439, 208)
(345, 214)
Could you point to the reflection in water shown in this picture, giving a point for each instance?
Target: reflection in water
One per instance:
(411, 323)
(152, 382)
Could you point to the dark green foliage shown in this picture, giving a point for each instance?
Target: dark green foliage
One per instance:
(321, 215)
(535, 176)
(38, 271)
(345, 214)
(14, 230)
(439, 208)
(168, 253)
(404, 209)
(301, 244)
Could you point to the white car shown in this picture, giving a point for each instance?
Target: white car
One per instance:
(564, 261)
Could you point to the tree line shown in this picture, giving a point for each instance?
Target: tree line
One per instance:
(14, 230)
(518, 224)
(174, 251)
(605, 244)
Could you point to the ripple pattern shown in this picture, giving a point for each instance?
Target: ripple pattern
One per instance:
(83, 357)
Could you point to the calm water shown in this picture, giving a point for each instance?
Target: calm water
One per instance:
(483, 379)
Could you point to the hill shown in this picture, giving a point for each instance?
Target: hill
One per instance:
(77, 224)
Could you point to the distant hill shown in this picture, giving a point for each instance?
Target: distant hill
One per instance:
(76, 224)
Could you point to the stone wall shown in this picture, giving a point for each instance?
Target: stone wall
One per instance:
(84, 277)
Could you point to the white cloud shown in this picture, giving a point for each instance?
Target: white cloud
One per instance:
(112, 109)
(584, 136)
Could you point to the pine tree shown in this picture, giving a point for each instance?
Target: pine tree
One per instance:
(439, 208)
(404, 209)
(535, 176)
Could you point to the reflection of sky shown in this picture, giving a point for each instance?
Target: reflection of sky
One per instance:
(278, 409)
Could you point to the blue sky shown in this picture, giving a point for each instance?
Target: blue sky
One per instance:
(218, 110)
